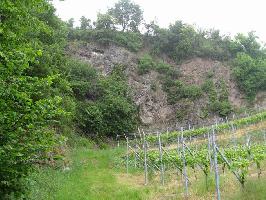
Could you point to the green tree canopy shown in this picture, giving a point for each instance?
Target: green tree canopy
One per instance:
(127, 14)
(105, 21)
(70, 23)
(85, 23)
(248, 44)
(250, 74)
(32, 40)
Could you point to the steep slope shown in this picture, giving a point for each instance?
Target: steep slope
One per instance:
(147, 89)
(195, 71)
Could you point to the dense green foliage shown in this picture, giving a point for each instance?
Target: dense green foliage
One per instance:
(129, 40)
(31, 104)
(218, 97)
(104, 105)
(127, 14)
(37, 102)
(118, 26)
(250, 74)
(181, 41)
(177, 90)
(146, 63)
(84, 23)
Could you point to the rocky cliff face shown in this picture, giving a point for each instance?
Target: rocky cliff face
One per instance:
(194, 71)
(147, 92)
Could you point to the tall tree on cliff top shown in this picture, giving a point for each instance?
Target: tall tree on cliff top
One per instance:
(127, 14)
(85, 23)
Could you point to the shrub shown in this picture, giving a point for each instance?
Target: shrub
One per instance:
(209, 88)
(223, 108)
(90, 118)
(129, 40)
(191, 92)
(145, 64)
(82, 78)
(250, 74)
(119, 115)
(183, 109)
(218, 97)
(112, 111)
(177, 90)
(162, 67)
(153, 86)
(30, 95)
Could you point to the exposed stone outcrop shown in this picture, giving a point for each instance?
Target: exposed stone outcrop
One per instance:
(152, 105)
(195, 71)
(147, 93)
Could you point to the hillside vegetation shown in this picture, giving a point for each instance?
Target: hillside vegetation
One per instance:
(46, 95)
(154, 65)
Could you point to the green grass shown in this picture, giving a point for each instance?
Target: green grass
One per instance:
(254, 190)
(230, 188)
(92, 175)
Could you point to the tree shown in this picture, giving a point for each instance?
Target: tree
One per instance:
(214, 45)
(127, 14)
(70, 23)
(151, 28)
(85, 23)
(29, 102)
(250, 74)
(248, 44)
(104, 21)
(177, 41)
(104, 106)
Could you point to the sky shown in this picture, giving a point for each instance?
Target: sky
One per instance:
(229, 16)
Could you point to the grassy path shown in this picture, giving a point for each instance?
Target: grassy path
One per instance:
(92, 175)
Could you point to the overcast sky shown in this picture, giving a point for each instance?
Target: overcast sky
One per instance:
(229, 16)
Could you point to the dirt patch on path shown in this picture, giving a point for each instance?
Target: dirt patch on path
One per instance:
(132, 180)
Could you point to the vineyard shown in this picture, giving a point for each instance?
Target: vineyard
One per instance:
(225, 125)
(186, 153)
